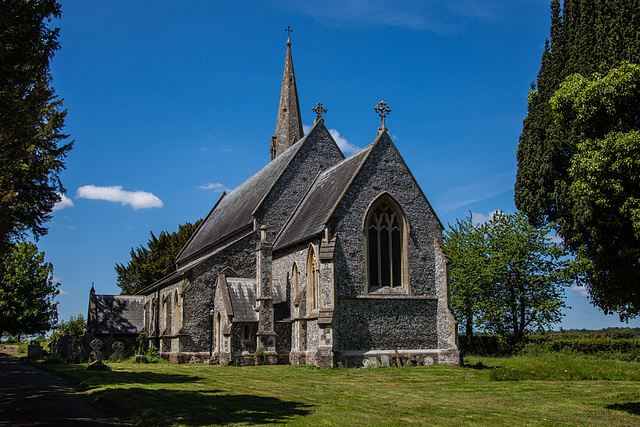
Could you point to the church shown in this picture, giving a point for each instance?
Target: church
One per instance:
(317, 259)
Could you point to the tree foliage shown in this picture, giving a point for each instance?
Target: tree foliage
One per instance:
(602, 115)
(27, 292)
(31, 119)
(506, 276)
(587, 36)
(153, 262)
(75, 327)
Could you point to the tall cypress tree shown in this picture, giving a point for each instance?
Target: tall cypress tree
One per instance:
(587, 37)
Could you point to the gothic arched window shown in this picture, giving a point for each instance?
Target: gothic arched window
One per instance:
(312, 279)
(385, 244)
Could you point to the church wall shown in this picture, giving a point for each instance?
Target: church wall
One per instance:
(316, 154)
(198, 297)
(387, 322)
(384, 171)
(304, 336)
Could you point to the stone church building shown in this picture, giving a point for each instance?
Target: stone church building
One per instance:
(316, 259)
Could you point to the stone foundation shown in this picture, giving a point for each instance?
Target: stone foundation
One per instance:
(386, 358)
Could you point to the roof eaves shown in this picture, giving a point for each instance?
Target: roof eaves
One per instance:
(224, 193)
(284, 226)
(298, 145)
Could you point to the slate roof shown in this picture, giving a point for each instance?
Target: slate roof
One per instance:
(119, 314)
(235, 210)
(242, 293)
(317, 205)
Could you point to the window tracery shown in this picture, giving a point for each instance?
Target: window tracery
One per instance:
(385, 247)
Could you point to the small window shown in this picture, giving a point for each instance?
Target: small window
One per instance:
(246, 332)
(295, 278)
(312, 279)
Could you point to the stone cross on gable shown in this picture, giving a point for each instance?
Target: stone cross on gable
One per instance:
(319, 110)
(383, 111)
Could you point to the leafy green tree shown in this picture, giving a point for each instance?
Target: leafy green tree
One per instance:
(529, 272)
(506, 275)
(587, 36)
(466, 248)
(75, 327)
(31, 119)
(27, 292)
(601, 115)
(153, 262)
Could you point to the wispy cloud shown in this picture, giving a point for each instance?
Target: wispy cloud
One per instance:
(581, 289)
(421, 15)
(64, 202)
(137, 199)
(346, 147)
(482, 189)
(215, 186)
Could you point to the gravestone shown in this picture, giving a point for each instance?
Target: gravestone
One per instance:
(72, 350)
(54, 350)
(96, 356)
(34, 351)
(118, 348)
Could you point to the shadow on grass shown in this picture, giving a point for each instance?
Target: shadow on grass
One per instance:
(630, 407)
(161, 407)
(480, 366)
(78, 376)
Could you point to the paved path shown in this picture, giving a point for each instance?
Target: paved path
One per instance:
(30, 397)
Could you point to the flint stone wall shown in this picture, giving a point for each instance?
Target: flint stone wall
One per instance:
(383, 324)
(384, 171)
(198, 297)
(316, 154)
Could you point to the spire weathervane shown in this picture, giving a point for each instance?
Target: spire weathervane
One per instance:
(383, 111)
(319, 110)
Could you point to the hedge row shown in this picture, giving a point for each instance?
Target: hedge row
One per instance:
(605, 346)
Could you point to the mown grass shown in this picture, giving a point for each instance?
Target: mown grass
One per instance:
(200, 395)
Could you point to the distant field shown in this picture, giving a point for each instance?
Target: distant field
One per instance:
(199, 395)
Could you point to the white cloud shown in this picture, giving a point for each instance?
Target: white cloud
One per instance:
(213, 186)
(65, 202)
(581, 289)
(346, 147)
(137, 199)
(479, 218)
(342, 142)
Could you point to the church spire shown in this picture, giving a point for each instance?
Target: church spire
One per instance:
(289, 124)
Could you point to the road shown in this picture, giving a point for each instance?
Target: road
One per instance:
(30, 397)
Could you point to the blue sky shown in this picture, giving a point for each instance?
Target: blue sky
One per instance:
(170, 103)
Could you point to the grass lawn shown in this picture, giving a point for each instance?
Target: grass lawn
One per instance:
(200, 395)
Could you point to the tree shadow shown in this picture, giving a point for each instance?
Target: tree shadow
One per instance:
(83, 379)
(160, 407)
(630, 407)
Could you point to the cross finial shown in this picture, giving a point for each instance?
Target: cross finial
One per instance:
(319, 110)
(383, 111)
(289, 31)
